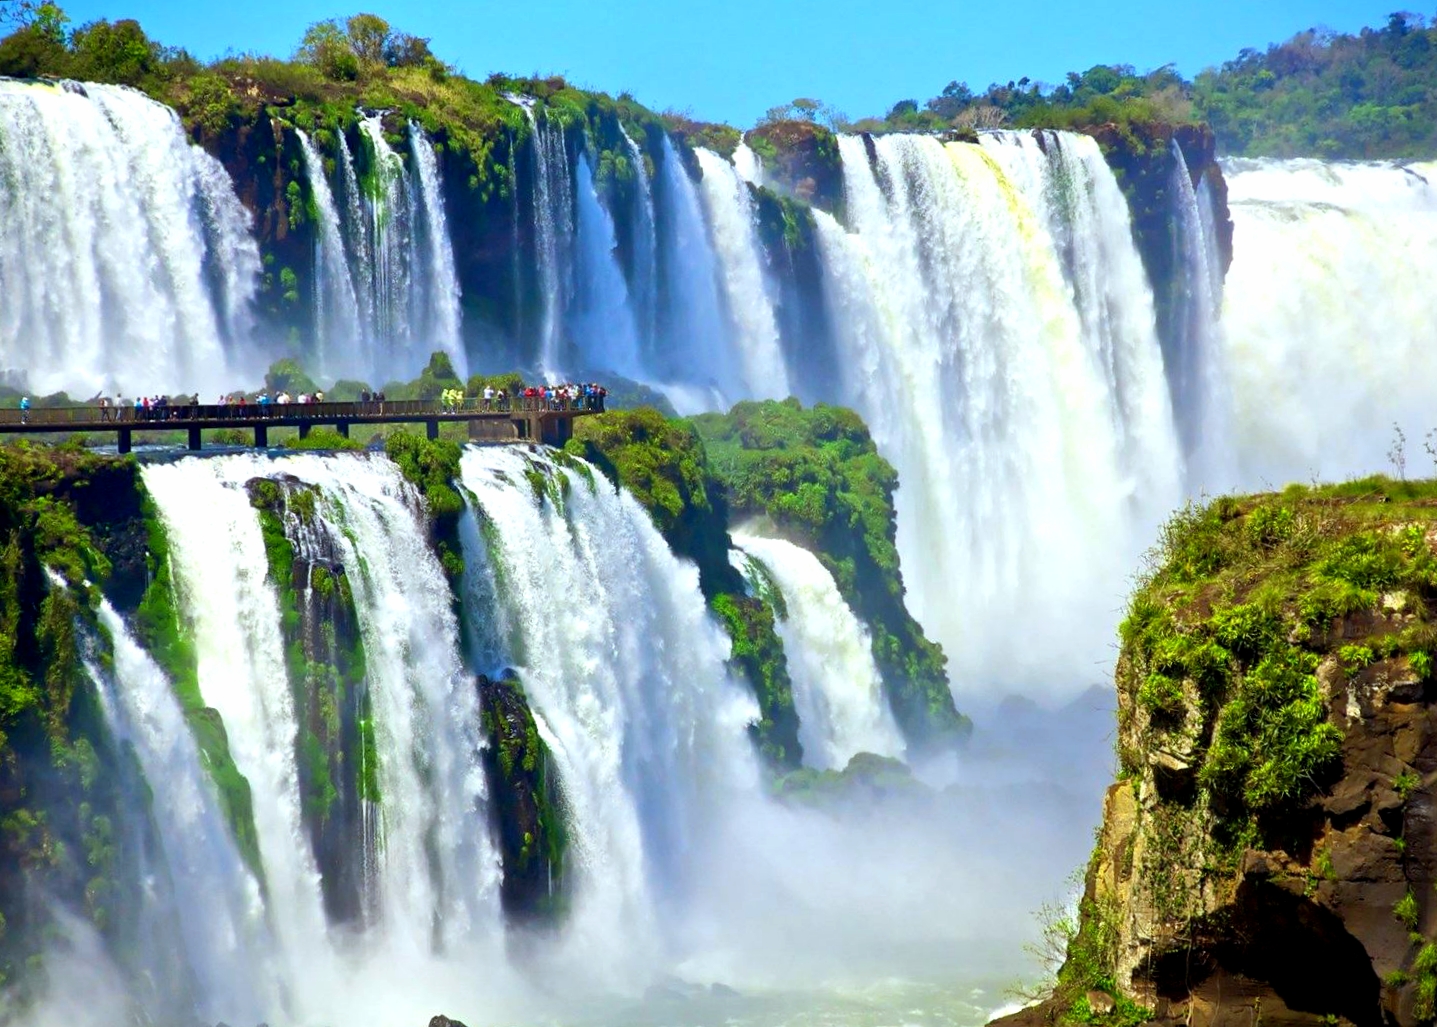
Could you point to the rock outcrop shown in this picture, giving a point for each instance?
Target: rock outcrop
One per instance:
(1269, 850)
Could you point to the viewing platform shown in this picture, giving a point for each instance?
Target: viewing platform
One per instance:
(526, 420)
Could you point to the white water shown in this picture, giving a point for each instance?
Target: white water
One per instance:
(646, 251)
(747, 164)
(390, 238)
(602, 320)
(441, 285)
(437, 874)
(553, 232)
(425, 707)
(338, 335)
(694, 353)
(731, 220)
(1005, 413)
(625, 673)
(109, 220)
(216, 901)
(1327, 324)
(1196, 365)
(836, 687)
(219, 567)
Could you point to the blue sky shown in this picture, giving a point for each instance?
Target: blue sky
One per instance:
(732, 61)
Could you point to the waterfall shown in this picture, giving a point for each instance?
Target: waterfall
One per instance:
(692, 354)
(603, 319)
(1002, 408)
(1326, 326)
(646, 250)
(1066, 180)
(214, 902)
(837, 690)
(219, 565)
(747, 164)
(1199, 380)
(732, 220)
(441, 293)
(125, 257)
(338, 335)
(361, 254)
(391, 233)
(553, 231)
(436, 874)
(624, 670)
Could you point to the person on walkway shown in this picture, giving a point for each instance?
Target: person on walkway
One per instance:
(24, 409)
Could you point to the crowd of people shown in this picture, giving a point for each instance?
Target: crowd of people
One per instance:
(569, 396)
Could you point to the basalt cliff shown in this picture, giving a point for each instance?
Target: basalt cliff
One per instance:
(1269, 852)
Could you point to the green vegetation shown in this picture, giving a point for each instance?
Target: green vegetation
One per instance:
(432, 467)
(529, 809)
(1321, 93)
(663, 464)
(166, 636)
(325, 665)
(866, 774)
(816, 476)
(1229, 638)
(63, 783)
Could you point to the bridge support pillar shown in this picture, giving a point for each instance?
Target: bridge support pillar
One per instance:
(431, 428)
(123, 442)
(304, 429)
(343, 428)
(261, 436)
(194, 439)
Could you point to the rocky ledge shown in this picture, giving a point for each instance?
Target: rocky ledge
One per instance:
(1269, 850)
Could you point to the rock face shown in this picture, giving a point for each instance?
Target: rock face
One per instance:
(528, 803)
(1269, 850)
(802, 158)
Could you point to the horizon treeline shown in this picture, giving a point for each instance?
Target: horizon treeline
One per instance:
(1370, 94)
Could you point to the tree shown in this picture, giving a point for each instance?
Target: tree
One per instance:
(405, 51)
(47, 18)
(326, 46)
(368, 37)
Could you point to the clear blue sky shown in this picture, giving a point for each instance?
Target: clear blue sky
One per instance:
(731, 61)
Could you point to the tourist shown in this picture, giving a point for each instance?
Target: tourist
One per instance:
(24, 409)
(488, 397)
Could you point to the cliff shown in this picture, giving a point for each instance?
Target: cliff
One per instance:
(1268, 851)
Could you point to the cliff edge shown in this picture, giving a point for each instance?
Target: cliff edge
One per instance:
(1269, 850)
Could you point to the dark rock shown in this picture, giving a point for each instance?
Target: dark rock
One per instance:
(526, 802)
(444, 1021)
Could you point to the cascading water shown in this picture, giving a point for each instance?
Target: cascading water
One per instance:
(436, 874)
(1326, 328)
(625, 674)
(553, 231)
(694, 356)
(338, 334)
(125, 257)
(1199, 382)
(440, 296)
(836, 687)
(750, 307)
(214, 901)
(219, 565)
(1067, 181)
(646, 249)
(747, 164)
(390, 238)
(602, 319)
(963, 347)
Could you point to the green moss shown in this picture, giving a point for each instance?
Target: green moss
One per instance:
(528, 805)
(432, 466)
(1240, 598)
(816, 475)
(166, 637)
(757, 653)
